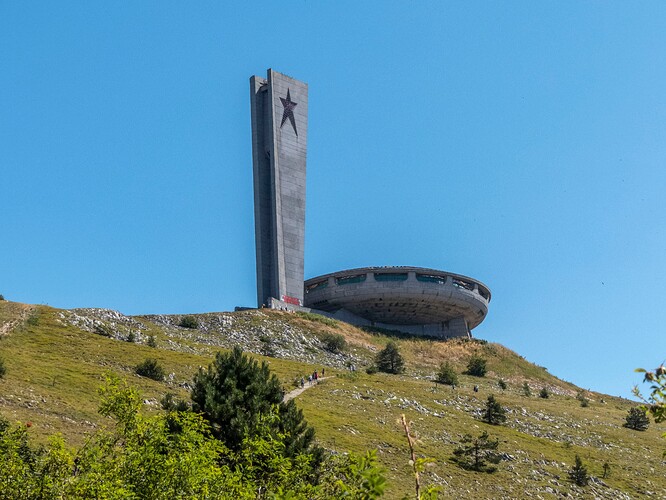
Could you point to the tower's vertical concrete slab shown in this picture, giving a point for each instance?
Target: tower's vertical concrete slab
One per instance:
(279, 140)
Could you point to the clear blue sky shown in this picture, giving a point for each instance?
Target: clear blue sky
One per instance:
(520, 143)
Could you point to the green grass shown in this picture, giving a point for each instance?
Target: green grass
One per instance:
(54, 370)
(317, 318)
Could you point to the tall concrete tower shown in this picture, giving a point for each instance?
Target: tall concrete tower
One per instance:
(279, 139)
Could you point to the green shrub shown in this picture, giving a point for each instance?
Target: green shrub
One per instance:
(2, 297)
(476, 453)
(103, 331)
(526, 389)
(318, 318)
(150, 368)
(174, 455)
(543, 393)
(446, 374)
(476, 366)
(637, 419)
(583, 400)
(371, 370)
(494, 414)
(189, 322)
(3, 368)
(334, 342)
(151, 341)
(33, 319)
(171, 403)
(264, 338)
(578, 473)
(236, 394)
(501, 384)
(131, 337)
(389, 360)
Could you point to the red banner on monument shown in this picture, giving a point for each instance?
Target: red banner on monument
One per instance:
(291, 300)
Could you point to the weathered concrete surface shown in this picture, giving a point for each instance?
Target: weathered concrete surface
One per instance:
(410, 299)
(279, 146)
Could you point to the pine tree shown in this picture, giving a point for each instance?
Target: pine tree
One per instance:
(235, 394)
(389, 360)
(447, 375)
(494, 413)
(475, 453)
(637, 420)
(578, 473)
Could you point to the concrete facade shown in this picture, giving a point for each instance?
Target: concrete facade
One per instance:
(414, 300)
(279, 145)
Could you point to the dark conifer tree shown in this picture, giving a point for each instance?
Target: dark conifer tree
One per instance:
(578, 473)
(235, 392)
(389, 360)
(637, 419)
(494, 413)
(476, 453)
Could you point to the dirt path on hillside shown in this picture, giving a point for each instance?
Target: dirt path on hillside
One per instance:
(300, 390)
(7, 326)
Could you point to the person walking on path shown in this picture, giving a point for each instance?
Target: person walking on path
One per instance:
(298, 391)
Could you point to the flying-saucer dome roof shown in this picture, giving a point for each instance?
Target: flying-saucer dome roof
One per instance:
(400, 295)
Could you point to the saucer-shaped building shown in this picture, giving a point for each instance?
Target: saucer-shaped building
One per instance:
(414, 300)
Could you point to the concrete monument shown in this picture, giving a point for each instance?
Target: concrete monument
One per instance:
(414, 300)
(279, 140)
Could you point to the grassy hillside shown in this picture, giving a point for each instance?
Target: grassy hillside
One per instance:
(56, 359)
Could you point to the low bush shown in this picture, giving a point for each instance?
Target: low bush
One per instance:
(543, 393)
(334, 342)
(476, 366)
(189, 322)
(151, 341)
(103, 331)
(150, 368)
(446, 374)
(3, 368)
(583, 400)
(502, 384)
(2, 297)
(171, 403)
(33, 319)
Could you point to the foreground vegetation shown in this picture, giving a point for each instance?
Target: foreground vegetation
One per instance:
(175, 455)
(55, 361)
